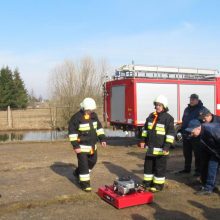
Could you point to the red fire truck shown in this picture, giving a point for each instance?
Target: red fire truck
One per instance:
(128, 97)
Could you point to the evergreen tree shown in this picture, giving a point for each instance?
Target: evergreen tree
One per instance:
(12, 90)
(7, 89)
(21, 96)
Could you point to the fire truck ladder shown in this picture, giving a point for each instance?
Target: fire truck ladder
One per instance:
(161, 72)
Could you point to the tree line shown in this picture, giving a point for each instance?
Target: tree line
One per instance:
(71, 82)
(12, 89)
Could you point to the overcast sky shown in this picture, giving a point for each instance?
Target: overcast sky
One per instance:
(37, 35)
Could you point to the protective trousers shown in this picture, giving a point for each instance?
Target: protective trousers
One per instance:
(189, 146)
(85, 164)
(154, 171)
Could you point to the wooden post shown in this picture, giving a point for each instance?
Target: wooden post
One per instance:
(55, 118)
(9, 117)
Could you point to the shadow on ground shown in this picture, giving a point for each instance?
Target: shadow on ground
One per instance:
(66, 170)
(165, 214)
(122, 141)
(208, 213)
(120, 171)
(169, 214)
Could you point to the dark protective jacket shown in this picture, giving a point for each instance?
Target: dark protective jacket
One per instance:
(210, 138)
(215, 119)
(158, 133)
(85, 131)
(190, 113)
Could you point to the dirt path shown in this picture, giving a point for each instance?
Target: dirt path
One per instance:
(37, 183)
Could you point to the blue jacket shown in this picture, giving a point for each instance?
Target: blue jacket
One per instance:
(210, 138)
(191, 112)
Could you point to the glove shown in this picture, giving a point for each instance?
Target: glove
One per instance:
(142, 145)
(103, 144)
(179, 136)
(77, 150)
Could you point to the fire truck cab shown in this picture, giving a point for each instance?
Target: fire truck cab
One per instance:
(129, 95)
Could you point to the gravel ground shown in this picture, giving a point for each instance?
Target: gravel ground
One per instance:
(37, 183)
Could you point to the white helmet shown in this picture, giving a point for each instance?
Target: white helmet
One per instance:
(162, 99)
(88, 104)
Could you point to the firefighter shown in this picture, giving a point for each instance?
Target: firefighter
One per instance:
(191, 144)
(209, 134)
(84, 131)
(157, 137)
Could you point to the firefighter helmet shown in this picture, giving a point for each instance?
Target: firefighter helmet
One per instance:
(88, 104)
(161, 99)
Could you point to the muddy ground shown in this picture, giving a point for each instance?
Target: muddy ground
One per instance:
(36, 182)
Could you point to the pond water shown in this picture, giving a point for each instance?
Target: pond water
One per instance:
(52, 135)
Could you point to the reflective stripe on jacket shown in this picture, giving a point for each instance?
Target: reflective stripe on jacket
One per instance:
(158, 133)
(84, 131)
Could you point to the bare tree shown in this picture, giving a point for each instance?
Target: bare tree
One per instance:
(71, 82)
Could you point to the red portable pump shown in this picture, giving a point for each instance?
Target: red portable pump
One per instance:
(125, 192)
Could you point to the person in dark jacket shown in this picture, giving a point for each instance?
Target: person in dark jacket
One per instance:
(206, 117)
(84, 131)
(157, 137)
(191, 144)
(209, 134)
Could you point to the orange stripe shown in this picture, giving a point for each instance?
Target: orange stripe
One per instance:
(155, 119)
(87, 116)
(92, 151)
